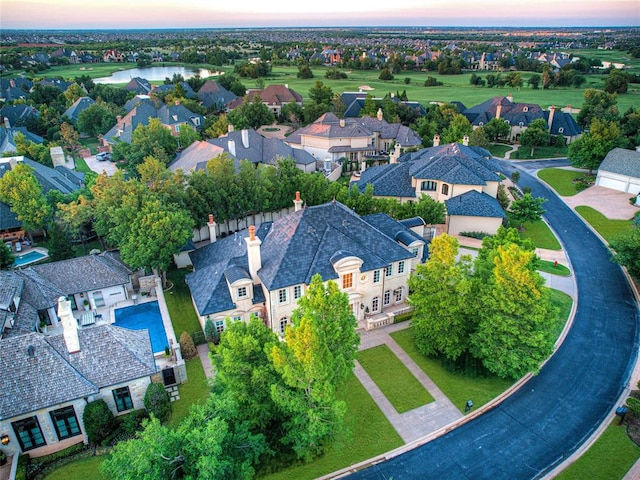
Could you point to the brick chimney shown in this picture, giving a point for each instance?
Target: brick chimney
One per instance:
(69, 325)
(245, 138)
(232, 147)
(253, 254)
(498, 110)
(212, 229)
(552, 111)
(7, 124)
(230, 128)
(342, 122)
(379, 115)
(177, 102)
(395, 154)
(510, 97)
(465, 140)
(297, 202)
(118, 118)
(436, 140)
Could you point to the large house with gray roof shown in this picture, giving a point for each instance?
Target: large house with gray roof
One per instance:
(215, 97)
(79, 106)
(48, 380)
(263, 272)
(446, 173)
(273, 96)
(355, 139)
(620, 170)
(172, 117)
(520, 115)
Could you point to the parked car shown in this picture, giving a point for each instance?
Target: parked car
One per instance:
(103, 156)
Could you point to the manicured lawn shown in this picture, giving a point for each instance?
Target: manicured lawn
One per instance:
(610, 457)
(83, 468)
(81, 165)
(524, 153)
(499, 150)
(91, 143)
(563, 303)
(608, 229)
(183, 315)
(196, 390)
(457, 387)
(371, 435)
(561, 180)
(548, 267)
(541, 235)
(397, 383)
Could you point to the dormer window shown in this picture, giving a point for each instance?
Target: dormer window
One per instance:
(242, 292)
(508, 122)
(525, 109)
(175, 118)
(347, 280)
(561, 130)
(521, 124)
(196, 121)
(480, 124)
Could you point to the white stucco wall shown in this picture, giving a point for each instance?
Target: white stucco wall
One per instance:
(463, 223)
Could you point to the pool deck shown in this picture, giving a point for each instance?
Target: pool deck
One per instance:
(106, 316)
(27, 250)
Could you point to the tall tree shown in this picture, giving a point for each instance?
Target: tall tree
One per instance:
(70, 137)
(95, 120)
(316, 358)
(22, 192)
(515, 331)
(440, 292)
(597, 104)
(526, 209)
(536, 135)
(457, 129)
(6, 257)
(590, 149)
(497, 128)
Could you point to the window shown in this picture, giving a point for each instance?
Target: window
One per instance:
(347, 280)
(561, 130)
(480, 124)
(122, 396)
(242, 292)
(65, 422)
(219, 326)
(388, 270)
(254, 315)
(29, 433)
(237, 318)
(177, 126)
(399, 292)
(282, 295)
(387, 298)
(376, 276)
(375, 304)
(525, 109)
(415, 251)
(401, 266)
(284, 321)
(445, 189)
(297, 292)
(429, 186)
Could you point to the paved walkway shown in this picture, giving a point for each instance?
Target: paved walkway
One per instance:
(420, 421)
(203, 353)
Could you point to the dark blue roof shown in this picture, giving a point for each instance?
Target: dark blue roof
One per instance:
(413, 222)
(474, 204)
(391, 180)
(564, 121)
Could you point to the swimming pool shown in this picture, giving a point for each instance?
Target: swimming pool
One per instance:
(29, 257)
(144, 316)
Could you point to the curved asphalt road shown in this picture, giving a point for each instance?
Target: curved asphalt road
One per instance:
(545, 421)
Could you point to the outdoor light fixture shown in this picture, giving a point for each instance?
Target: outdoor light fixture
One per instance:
(4, 439)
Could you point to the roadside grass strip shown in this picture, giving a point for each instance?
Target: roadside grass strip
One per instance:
(607, 229)
(561, 180)
(541, 235)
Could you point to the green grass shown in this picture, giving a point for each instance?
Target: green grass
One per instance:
(397, 383)
(561, 180)
(541, 235)
(457, 387)
(609, 458)
(499, 150)
(524, 153)
(83, 468)
(371, 435)
(91, 143)
(607, 229)
(548, 267)
(563, 303)
(183, 315)
(195, 390)
(81, 165)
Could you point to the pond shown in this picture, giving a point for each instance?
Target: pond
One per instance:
(153, 74)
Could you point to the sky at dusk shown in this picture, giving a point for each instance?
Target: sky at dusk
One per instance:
(119, 14)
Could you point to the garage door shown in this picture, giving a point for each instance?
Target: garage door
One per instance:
(611, 183)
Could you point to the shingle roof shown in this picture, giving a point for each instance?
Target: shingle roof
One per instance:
(53, 179)
(80, 105)
(622, 161)
(514, 113)
(195, 156)
(273, 95)
(11, 286)
(77, 275)
(474, 204)
(8, 140)
(18, 114)
(212, 94)
(294, 248)
(109, 355)
(564, 121)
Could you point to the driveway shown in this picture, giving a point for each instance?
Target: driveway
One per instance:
(99, 167)
(553, 413)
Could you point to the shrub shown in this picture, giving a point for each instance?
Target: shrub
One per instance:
(209, 330)
(385, 74)
(432, 82)
(156, 401)
(634, 405)
(187, 346)
(98, 421)
(478, 235)
(131, 422)
(515, 176)
(407, 80)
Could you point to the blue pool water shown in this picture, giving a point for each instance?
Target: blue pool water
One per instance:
(29, 257)
(144, 316)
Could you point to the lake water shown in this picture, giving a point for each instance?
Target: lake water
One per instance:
(153, 73)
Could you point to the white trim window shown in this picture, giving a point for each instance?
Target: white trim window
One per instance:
(386, 300)
(388, 270)
(242, 292)
(219, 324)
(284, 321)
(282, 295)
(375, 304)
(399, 294)
(376, 276)
(401, 266)
(297, 292)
